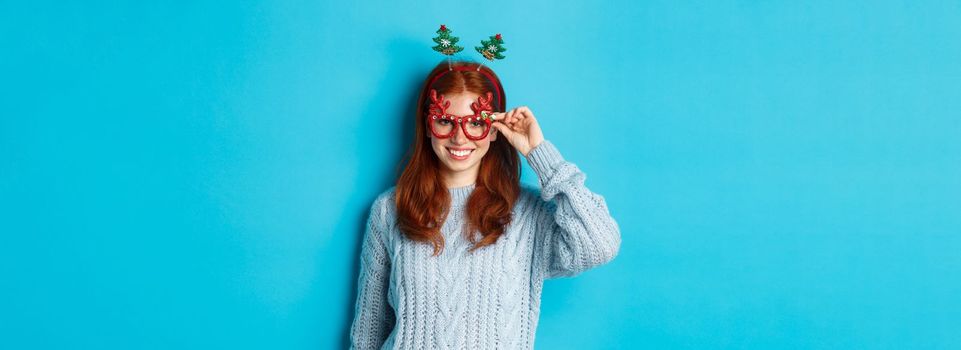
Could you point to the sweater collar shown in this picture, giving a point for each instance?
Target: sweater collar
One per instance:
(459, 195)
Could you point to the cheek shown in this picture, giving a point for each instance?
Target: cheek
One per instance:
(436, 146)
(484, 145)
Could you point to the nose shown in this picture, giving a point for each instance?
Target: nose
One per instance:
(459, 137)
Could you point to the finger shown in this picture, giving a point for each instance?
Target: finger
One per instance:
(515, 114)
(525, 112)
(502, 128)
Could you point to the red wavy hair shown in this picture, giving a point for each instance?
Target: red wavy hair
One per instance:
(423, 200)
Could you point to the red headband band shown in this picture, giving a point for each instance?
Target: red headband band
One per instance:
(500, 96)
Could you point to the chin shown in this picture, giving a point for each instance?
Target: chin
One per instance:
(459, 166)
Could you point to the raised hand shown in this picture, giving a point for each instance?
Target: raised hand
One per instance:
(520, 127)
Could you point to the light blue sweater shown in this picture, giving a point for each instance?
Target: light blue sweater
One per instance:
(407, 299)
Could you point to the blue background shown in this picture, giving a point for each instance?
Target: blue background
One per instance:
(197, 174)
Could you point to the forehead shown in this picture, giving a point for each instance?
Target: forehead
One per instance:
(460, 102)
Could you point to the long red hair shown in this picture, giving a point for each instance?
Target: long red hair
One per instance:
(423, 200)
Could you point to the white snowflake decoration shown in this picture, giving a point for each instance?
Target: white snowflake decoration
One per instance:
(444, 42)
(492, 48)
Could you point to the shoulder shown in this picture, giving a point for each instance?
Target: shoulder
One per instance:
(381, 217)
(383, 205)
(386, 197)
(382, 209)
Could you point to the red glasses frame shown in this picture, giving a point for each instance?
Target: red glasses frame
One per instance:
(482, 112)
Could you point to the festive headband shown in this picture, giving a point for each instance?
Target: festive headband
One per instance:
(491, 49)
(447, 45)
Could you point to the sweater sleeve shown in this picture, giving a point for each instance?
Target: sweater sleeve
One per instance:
(373, 315)
(578, 232)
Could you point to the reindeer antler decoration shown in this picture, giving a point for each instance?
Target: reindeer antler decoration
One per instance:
(483, 106)
(438, 106)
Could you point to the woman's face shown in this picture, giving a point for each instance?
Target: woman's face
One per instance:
(466, 162)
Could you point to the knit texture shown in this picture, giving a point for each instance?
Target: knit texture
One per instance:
(489, 299)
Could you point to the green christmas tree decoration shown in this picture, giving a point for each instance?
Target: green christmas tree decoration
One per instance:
(491, 49)
(446, 43)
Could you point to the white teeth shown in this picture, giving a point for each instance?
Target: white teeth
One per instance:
(460, 153)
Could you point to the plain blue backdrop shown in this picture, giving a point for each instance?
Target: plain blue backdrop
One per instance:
(197, 174)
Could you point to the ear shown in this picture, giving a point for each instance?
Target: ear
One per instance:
(493, 134)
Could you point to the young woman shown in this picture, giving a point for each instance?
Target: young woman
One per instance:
(455, 254)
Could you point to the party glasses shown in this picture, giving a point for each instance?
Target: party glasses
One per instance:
(475, 126)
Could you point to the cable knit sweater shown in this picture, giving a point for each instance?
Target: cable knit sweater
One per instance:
(490, 299)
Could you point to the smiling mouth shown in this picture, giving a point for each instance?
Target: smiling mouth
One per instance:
(460, 154)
